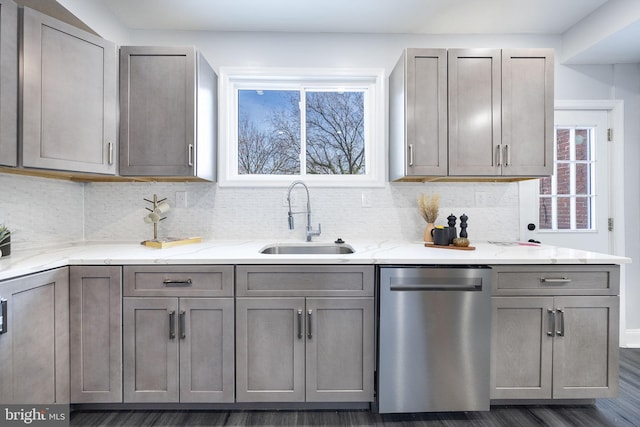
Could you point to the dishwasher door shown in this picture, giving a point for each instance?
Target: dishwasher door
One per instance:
(435, 326)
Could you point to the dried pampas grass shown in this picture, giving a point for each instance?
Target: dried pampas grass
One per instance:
(429, 206)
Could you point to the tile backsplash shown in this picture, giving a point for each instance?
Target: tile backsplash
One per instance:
(43, 211)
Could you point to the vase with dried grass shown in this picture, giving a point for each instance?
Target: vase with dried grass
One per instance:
(428, 206)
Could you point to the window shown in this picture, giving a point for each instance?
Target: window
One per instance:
(567, 198)
(325, 127)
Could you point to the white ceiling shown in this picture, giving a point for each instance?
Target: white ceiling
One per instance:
(596, 31)
(356, 16)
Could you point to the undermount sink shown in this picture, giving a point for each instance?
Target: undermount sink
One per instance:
(307, 249)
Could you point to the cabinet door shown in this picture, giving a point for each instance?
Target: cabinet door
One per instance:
(206, 336)
(527, 111)
(150, 349)
(8, 83)
(474, 112)
(426, 112)
(157, 123)
(340, 349)
(585, 349)
(68, 97)
(270, 350)
(95, 316)
(34, 353)
(521, 347)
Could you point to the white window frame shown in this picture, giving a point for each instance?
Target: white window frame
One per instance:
(369, 80)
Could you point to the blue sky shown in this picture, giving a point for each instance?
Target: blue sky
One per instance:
(258, 104)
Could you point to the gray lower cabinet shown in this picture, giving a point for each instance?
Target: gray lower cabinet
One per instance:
(69, 94)
(8, 83)
(555, 346)
(95, 315)
(167, 112)
(178, 347)
(296, 348)
(34, 351)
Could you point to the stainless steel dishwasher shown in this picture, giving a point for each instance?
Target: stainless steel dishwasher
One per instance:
(435, 325)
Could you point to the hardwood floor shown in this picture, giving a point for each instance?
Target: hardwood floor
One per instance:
(623, 411)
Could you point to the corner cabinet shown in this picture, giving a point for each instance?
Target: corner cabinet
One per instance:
(178, 334)
(471, 113)
(305, 334)
(69, 95)
(555, 332)
(34, 349)
(167, 113)
(95, 316)
(8, 83)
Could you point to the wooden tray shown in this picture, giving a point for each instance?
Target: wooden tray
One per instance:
(458, 248)
(170, 241)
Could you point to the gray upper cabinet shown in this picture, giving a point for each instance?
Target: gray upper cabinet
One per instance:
(418, 114)
(69, 94)
(167, 113)
(471, 113)
(8, 83)
(527, 112)
(474, 112)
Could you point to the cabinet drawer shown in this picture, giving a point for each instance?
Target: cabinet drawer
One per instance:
(283, 280)
(557, 280)
(178, 280)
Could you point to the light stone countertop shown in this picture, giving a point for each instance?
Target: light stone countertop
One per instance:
(20, 263)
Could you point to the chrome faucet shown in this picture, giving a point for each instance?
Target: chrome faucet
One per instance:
(310, 231)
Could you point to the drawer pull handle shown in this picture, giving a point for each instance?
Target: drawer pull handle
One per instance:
(551, 330)
(169, 282)
(299, 324)
(555, 280)
(172, 324)
(560, 332)
(309, 332)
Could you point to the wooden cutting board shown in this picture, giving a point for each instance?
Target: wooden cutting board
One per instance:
(170, 241)
(458, 248)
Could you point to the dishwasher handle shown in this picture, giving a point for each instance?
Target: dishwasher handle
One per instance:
(436, 287)
(436, 284)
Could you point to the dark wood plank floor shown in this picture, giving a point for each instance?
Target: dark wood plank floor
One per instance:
(623, 411)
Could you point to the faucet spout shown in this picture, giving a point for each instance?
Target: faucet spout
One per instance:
(310, 231)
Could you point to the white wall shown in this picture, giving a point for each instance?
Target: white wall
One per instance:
(114, 211)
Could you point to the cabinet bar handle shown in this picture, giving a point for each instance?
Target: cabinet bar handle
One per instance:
(299, 324)
(172, 324)
(190, 154)
(181, 325)
(410, 154)
(3, 316)
(170, 283)
(555, 280)
(309, 331)
(560, 333)
(506, 148)
(110, 145)
(499, 152)
(552, 322)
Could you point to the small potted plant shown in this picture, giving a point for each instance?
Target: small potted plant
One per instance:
(5, 241)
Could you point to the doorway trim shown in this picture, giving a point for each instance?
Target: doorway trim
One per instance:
(615, 107)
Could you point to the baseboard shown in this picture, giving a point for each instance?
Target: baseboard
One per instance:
(632, 338)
